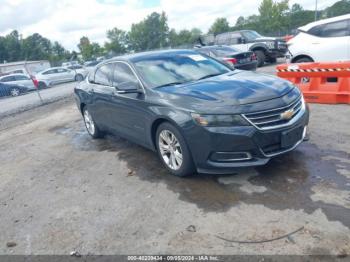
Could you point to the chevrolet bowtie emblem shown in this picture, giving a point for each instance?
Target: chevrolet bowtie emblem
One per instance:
(287, 114)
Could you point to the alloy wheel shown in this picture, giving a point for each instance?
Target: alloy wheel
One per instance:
(15, 92)
(170, 149)
(89, 123)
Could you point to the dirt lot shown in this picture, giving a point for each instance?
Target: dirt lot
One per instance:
(61, 191)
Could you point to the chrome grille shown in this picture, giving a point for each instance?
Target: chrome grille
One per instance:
(271, 119)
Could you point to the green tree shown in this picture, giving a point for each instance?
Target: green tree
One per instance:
(117, 41)
(339, 8)
(89, 50)
(36, 47)
(151, 33)
(273, 16)
(220, 25)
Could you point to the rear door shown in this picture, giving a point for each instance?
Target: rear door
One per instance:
(331, 41)
(65, 75)
(101, 92)
(23, 80)
(51, 76)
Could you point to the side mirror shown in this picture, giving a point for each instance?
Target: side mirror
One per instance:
(242, 40)
(128, 87)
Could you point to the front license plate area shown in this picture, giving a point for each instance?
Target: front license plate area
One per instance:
(291, 137)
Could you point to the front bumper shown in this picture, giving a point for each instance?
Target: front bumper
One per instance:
(275, 53)
(250, 146)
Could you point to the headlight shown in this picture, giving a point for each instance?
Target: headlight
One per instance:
(219, 120)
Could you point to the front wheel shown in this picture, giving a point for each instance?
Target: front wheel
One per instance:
(90, 125)
(260, 55)
(173, 150)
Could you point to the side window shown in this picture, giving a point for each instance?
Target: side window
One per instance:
(230, 38)
(123, 76)
(49, 72)
(19, 77)
(8, 79)
(103, 74)
(62, 70)
(335, 29)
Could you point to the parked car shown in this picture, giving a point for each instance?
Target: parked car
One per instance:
(55, 75)
(90, 65)
(8, 89)
(80, 72)
(20, 80)
(231, 56)
(197, 113)
(323, 40)
(266, 49)
(70, 63)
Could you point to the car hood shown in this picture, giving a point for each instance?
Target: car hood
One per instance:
(230, 89)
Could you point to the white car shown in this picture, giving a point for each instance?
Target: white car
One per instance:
(55, 75)
(322, 41)
(80, 71)
(19, 80)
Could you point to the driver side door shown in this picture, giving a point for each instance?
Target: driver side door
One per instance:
(128, 108)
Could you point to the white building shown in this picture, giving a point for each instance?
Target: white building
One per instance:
(24, 66)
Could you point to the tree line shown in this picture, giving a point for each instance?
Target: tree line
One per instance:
(153, 32)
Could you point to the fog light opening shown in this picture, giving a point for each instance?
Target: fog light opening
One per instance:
(230, 156)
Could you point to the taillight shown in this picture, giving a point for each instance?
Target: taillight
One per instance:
(253, 56)
(35, 81)
(231, 60)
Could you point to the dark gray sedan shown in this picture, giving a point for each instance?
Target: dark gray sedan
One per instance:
(197, 113)
(233, 57)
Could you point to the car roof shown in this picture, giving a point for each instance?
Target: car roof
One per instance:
(17, 74)
(324, 21)
(57, 67)
(149, 54)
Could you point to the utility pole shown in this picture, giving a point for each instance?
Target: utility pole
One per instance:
(315, 10)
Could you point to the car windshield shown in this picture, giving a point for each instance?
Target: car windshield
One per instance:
(177, 69)
(223, 51)
(251, 35)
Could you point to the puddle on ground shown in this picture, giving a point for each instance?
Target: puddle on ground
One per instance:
(302, 179)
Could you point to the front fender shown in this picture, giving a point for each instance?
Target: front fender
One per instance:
(181, 119)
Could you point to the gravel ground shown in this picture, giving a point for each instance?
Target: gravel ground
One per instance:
(61, 191)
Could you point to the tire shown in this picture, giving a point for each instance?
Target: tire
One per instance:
(181, 164)
(260, 55)
(303, 60)
(41, 85)
(79, 78)
(90, 125)
(15, 91)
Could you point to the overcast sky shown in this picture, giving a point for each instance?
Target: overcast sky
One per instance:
(67, 20)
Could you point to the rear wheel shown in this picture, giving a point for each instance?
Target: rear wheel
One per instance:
(173, 150)
(15, 91)
(260, 55)
(90, 125)
(79, 78)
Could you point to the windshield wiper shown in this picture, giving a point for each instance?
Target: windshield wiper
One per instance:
(169, 84)
(211, 75)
